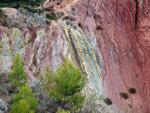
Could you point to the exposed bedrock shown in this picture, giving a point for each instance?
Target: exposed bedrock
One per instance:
(124, 42)
(111, 46)
(51, 46)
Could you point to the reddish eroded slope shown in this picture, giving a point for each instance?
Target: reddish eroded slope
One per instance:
(124, 41)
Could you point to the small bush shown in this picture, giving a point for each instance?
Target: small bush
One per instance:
(62, 111)
(52, 16)
(25, 93)
(108, 101)
(124, 95)
(58, 3)
(98, 27)
(132, 90)
(21, 106)
(80, 24)
(49, 9)
(72, 18)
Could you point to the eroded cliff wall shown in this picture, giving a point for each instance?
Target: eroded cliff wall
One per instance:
(111, 46)
(124, 43)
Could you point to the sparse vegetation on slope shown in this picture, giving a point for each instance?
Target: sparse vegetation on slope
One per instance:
(124, 95)
(108, 101)
(132, 90)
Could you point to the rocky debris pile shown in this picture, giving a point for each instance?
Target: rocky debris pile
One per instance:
(3, 107)
(31, 19)
(69, 20)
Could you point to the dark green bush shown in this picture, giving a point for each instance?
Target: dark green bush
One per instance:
(132, 90)
(72, 18)
(98, 27)
(49, 9)
(124, 95)
(52, 16)
(108, 101)
(80, 24)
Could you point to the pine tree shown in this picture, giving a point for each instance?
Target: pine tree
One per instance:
(25, 93)
(21, 107)
(66, 86)
(17, 76)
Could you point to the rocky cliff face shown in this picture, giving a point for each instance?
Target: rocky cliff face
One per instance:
(111, 45)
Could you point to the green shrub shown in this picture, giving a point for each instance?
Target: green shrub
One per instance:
(124, 95)
(72, 18)
(25, 93)
(21, 106)
(132, 90)
(108, 101)
(62, 111)
(17, 76)
(49, 9)
(80, 24)
(65, 85)
(98, 27)
(52, 16)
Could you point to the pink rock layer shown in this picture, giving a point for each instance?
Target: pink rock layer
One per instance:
(125, 44)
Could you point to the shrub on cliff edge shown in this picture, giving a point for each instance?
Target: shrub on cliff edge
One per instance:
(108, 101)
(132, 90)
(124, 95)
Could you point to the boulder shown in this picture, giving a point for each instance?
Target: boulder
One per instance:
(3, 107)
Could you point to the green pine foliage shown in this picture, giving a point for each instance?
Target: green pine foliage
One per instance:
(66, 84)
(17, 76)
(62, 111)
(26, 94)
(21, 106)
